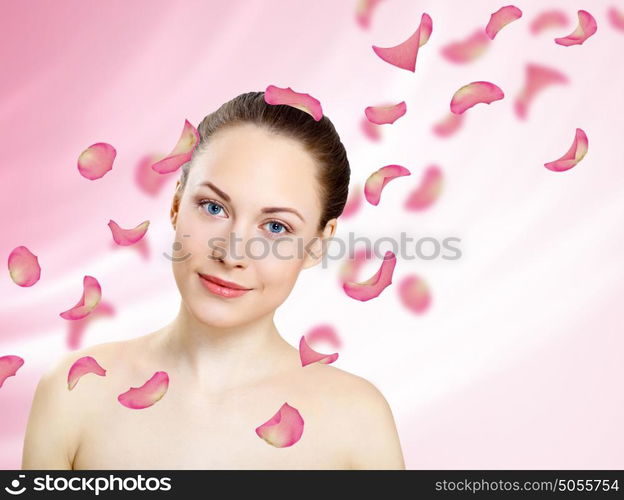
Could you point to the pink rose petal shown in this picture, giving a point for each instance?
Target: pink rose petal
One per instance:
(404, 55)
(414, 294)
(586, 27)
(82, 366)
(466, 50)
(378, 180)
(385, 114)
(324, 333)
(373, 286)
(95, 161)
(354, 202)
(501, 18)
(474, 93)
(371, 131)
(76, 328)
(364, 11)
(126, 237)
(549, 19)
(309, 356)
(8, 367)
(576, 153)
(24, 266)
(351, 267)
(449, 125)
(148, 181)
(616, 18)
(149, 393)
(91, 295)
(537, 78)
(181, 153)
(283, 429)
(428, 191)
(287, 96)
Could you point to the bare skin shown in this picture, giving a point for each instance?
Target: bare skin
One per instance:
(348, 424)
(229, 368)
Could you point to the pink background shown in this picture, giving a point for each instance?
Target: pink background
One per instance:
(519, 361)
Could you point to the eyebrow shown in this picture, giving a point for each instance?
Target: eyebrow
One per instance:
(265, 210)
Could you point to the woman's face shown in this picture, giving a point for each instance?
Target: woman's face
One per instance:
(224, 228)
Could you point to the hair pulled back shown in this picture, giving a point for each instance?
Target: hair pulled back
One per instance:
(319, 138)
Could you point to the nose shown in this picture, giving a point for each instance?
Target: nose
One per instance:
(231, 249)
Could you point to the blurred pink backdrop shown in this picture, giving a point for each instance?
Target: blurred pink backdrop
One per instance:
(519, 360)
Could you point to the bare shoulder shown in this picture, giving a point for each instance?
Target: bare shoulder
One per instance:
(57, 414)
(361, 414)
(107, 354)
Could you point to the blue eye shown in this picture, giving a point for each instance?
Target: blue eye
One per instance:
(213, 205)
(275, 223)
(214, 208)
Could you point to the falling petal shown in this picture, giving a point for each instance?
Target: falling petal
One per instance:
(385, 114)
(404, 55)
(324, 333)
(378, 180)
(616, 18)
(351, 267)
(449, 125)
(9, 366)
(76, 328)
(283, 429)
(576, 153)
(373, 286)
(149, 393)
(287, 96)
(182, 152)
(428, 191)
(24, 266)
(126, 237)
(364, 11)
(501, 18)
(95, 161)
(549, 19)
(586, 27)
(91, 295)
(82, 366)
(537, 78)
(309, 356)
(371, 131)
(354, 202)
(147, 179)
(474, 93)
(414, 293)
(466, 50)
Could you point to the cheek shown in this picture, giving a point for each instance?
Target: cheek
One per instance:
(190, 249)
(279, 270)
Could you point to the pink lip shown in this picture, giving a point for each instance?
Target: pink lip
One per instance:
(222, 287)
(219, 281)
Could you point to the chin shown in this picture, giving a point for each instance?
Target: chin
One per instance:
(217, 314)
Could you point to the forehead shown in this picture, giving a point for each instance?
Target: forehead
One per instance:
(259, 168)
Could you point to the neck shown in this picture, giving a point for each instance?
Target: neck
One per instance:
(223, 358)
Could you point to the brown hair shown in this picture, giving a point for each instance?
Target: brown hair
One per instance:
(319, 138)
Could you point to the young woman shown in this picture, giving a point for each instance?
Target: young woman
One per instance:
(261, 177)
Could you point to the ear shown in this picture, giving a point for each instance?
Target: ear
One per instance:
(175, 205)
(317, 249)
